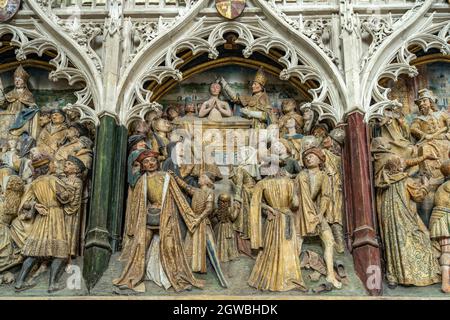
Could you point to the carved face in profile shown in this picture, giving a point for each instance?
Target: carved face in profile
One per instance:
(215, 89)
(19, 83)
(44, 119)
(163, 125)
(425, 106)
(57, 118)
(150, 116)
(256, 87)
(149, 164)
(312, 161)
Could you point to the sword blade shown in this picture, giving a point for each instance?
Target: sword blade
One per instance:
(213, 257)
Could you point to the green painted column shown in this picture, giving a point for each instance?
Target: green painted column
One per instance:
(119, 187)
(97, 245)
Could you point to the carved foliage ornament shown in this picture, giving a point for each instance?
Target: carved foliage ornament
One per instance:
(314, 29)
(82, 33)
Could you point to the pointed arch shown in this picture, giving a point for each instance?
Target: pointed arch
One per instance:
(301, 60)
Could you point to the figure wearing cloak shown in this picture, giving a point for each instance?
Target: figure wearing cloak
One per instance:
(201, 242)
(226, 236)
(156, 190)
(408, 249)
(277, 266)
(256, 107)
(20, 101)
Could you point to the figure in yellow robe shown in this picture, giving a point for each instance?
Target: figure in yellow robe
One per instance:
(156, 190)
(277, 266)
(408, 250)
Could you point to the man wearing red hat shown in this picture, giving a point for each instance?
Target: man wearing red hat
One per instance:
(151, 216)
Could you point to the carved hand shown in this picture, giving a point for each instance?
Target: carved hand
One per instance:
(41, 209)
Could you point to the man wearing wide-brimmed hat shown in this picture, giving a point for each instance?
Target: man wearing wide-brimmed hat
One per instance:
(430, 123)
(48, 239)
(256, 107)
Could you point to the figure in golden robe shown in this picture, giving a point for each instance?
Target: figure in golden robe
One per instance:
(293, 138)
(440, 225)
(48, 239)
(201, 242)
(408, 249)
(244, 177)
(152, 217)
(288, 107)
(20, 97)
(320, 131)
(314, 200)
(333, 169)
(277, 266)
(256, 107)
(396, 130)
(54, 134)
(9, 207)
(72, 201)
(71, 147)
(9, 162)
(215, 108)
(226, 214)
(431, 130)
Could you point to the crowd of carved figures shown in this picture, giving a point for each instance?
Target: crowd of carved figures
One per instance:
(412, 170)
(46, 156)
(176, 220)
(179, 217)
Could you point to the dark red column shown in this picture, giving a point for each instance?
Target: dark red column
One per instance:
(360, 205)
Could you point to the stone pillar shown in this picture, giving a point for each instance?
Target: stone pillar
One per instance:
(119, 187)
(97, 246)
(360, 205)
